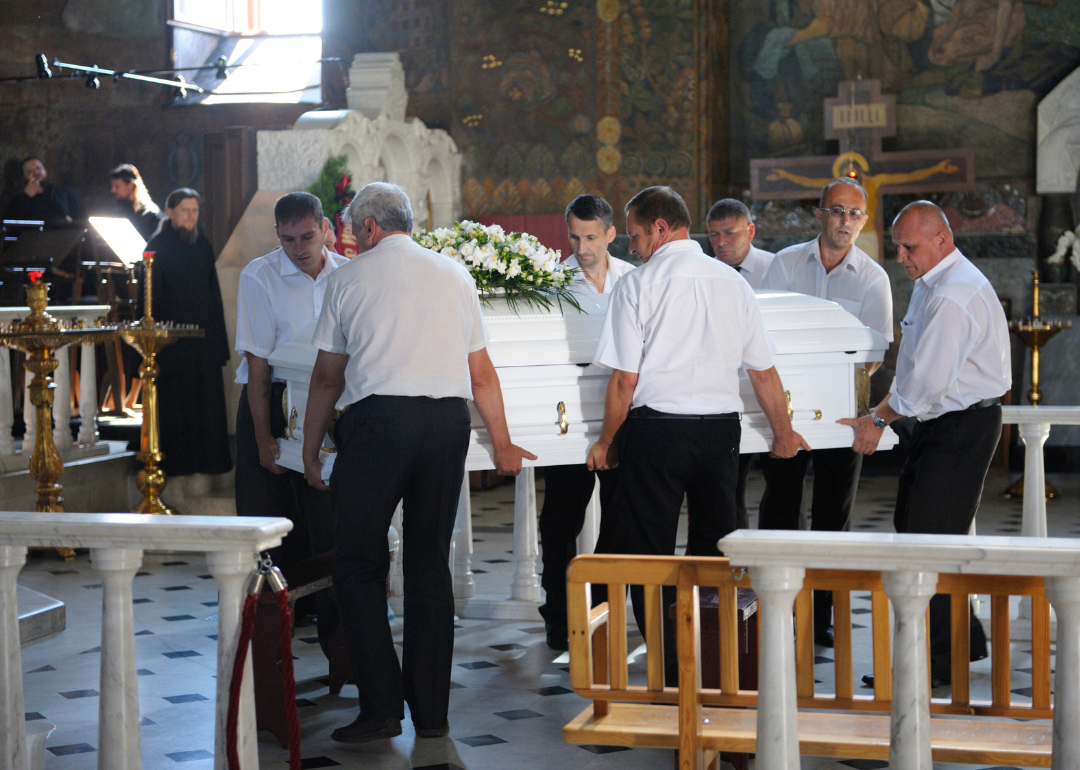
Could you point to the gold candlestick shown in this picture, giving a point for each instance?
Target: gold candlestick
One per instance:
(149, 337)
(1035, 332)
(40, 335)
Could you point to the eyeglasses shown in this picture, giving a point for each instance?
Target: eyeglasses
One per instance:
(838, 213)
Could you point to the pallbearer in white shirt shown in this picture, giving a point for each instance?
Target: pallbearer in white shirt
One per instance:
(402, 345)
(831, 267)
(676, 333)
(569, 488)
(280, 293)
(953, 368)
(731, 235)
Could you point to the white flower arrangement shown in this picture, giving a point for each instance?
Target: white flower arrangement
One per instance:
(515, 265)
(1068, 243)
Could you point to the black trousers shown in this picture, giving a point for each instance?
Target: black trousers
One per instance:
(939, 491)
(288, 495)
(742, 519)
(567, 492)
(661, 461)
(391, 449)
(836, 480)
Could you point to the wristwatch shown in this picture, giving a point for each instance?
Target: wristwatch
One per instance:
(879, 422)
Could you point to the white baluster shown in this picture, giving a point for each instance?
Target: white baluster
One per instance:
(1034, 435)
(88, 405)
(1064, 594)
(29, 417)
(777, 717)
(526, 586)
(590, 530)
(464, 580)
(910, 592)
(12, 724)
(7, 405)
(62, 400)
(232, 571)
(119, 743)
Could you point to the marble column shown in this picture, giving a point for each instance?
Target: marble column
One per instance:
(909, 746)
(62, 400)
(1064, 595)
(232, 570)
(526, 585)
(1034, 435)
(464, 580)
(590, 530)
(7, 405)
(119, 744)
(12, 724)
(29, 417)
(777, 716)
(88, 405)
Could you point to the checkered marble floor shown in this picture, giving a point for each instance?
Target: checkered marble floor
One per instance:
(511, 694)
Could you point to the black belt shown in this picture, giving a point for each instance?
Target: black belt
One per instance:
(986, 402)
(648, 413)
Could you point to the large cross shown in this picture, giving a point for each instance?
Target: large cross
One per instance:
(859, 117)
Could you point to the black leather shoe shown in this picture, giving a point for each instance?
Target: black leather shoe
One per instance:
(366, 730)
(557, 638)
(433, 732)
(823, 637)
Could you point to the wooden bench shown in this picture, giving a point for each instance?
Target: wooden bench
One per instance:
(701, 722)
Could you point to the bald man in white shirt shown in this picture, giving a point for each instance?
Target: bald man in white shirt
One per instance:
(953, 367)
(569, 488)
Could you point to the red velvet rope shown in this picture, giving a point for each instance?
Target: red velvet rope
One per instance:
(288, 679)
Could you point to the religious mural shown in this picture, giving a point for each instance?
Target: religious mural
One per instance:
(966, 73)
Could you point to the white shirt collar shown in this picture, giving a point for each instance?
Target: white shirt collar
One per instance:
(849, 261)
(671, 247)
(287, 267)
(934, 274)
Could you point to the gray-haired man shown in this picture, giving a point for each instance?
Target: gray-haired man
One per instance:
(402, 345)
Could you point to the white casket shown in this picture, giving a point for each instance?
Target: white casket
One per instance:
(554, 396)
(554, 401)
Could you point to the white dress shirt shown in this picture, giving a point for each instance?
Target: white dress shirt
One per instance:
(407, 317)
(954, 343)
(616, 269)
(275, 300)
(754, 265)
(858, 284)
(685, 323)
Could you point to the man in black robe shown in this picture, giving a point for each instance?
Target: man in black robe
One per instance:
(133, 199)
(42, 201)
(191, 390)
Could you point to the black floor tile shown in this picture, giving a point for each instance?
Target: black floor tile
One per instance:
(182, 654)
(604, 749)
(865, 764)
(304, 703)
(40, 670)
(311, 763)
(205, 577)
(93, 585)
(75, 694)
(142, 601)
(174, 618)
(189, 698)
(456, 686)
(508, 647)
(31, 716)
(534, 630)
(176, 588)
(144, 672)
(145, 722)
(479, 571)
(209, 604)
(556, 690)
(481, 740)
(822, 659)
(309, 639)
(74, 748)
(496, 561)
(478, 665)
(516, 714)
(190, 756)
(63, 572)
(861, 610)
(174, 564)
(144, 632)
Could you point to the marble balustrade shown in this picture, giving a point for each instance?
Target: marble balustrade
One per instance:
(117, 542)
(1034, 426)
(87, 440)
(910, 565)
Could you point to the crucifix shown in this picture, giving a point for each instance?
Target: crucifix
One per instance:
(859, 117)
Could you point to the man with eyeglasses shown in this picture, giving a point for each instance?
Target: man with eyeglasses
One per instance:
(831, 267)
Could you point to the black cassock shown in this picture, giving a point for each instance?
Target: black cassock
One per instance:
(191, 392)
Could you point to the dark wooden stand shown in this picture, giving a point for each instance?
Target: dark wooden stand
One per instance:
(746, 608)
(304, 578)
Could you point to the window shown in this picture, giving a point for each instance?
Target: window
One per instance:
(250, 17)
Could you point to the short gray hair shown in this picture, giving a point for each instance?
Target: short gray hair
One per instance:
(386, 203)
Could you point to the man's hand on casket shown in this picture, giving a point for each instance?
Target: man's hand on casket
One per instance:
(508, 459)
